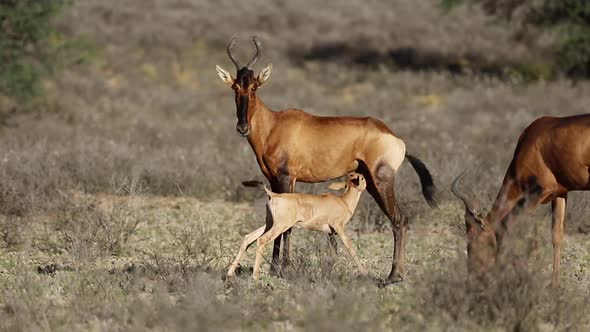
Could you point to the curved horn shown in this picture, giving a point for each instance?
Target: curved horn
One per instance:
(255, 58)
(230, 46)
(472, 206)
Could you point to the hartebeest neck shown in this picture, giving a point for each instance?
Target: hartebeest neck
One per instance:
(261, 120)
(504, 205)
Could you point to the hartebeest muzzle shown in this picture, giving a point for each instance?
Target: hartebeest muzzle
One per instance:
(242, 104)
(243, 130)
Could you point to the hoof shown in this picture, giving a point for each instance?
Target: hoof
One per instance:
(390, 281)
(278, 273)
(244, 270)
(228, 282)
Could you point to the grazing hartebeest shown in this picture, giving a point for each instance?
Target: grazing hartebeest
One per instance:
(292, 145)
(552, 157)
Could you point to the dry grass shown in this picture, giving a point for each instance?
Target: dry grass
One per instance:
(120, 209)
(167, 275)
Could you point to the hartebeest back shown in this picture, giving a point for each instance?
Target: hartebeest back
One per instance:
(292, 145)
(552, 158)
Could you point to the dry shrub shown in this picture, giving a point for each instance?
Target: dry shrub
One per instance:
(12, 231)
(198, 248)
(313, 261)
(188, 250)
(324, 307)
(13, 202)
(22, 306)
(513, 296)
(369, 217)
(91, 231)
(15, 206)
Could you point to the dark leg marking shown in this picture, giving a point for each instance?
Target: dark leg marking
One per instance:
(380, 185)
(285, 183)
(276, 248)
(281, 184)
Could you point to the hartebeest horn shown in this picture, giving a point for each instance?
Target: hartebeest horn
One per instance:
(255, 58)
(473, 206)
(230, 46)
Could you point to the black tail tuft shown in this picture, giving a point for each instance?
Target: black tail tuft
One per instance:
(428, 188)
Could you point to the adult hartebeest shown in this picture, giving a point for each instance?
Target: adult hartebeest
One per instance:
(292, 145)
(552, 158)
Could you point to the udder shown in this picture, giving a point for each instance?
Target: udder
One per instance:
(323, 170)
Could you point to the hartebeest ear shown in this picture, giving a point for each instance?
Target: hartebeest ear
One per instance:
(225, 76)
(264, 74)
(337, 185)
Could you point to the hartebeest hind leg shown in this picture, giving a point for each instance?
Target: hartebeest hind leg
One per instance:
(380, 185)
(248, 240)
(272, 234)
(558, 206)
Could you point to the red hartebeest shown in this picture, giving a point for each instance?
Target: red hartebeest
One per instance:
(552, 158)
(292, 145)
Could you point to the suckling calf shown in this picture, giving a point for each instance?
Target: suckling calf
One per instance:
(326, 213)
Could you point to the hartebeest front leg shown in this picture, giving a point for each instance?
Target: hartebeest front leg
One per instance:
(558, 206)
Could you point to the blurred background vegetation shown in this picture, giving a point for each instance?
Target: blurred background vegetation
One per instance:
(567, 21)
(32, 49)
(95, 95)
(120, 171)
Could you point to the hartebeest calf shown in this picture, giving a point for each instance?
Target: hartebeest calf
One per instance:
(552, 158)
(326, 213)
(292, 145)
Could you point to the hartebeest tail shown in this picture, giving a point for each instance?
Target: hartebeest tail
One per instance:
(552, 158)
(294, 146)
(428, 188)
